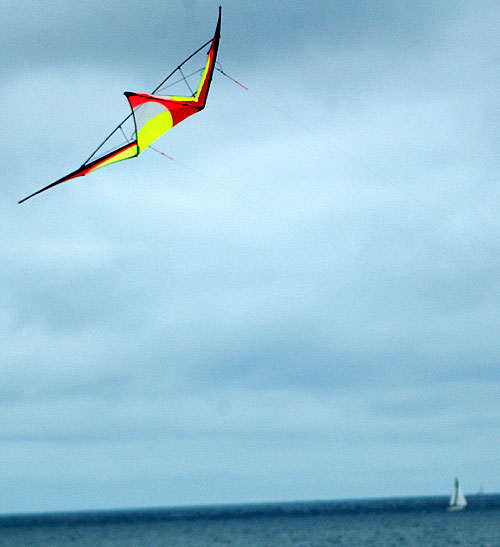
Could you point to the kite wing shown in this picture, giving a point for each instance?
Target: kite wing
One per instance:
(153, 115)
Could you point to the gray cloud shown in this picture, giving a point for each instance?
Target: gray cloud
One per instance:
(311, 283)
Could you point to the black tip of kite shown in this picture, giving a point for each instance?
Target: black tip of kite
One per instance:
(28, 197)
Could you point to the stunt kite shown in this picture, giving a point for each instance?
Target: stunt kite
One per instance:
(153, 115)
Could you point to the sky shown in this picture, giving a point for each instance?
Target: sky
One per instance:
(304, 304)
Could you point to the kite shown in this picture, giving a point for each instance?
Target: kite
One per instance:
(153, 115)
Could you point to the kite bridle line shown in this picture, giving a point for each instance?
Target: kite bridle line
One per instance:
(198, 71)
(219, 69)
(186, 82)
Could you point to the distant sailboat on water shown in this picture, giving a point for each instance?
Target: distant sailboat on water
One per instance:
(457, 500)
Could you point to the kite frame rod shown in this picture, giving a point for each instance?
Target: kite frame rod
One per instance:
(182, 79)
(183, 63)
(106, 140)
(152, 92)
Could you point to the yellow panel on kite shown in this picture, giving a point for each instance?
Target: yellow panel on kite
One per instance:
(122, 154)
(152, 121)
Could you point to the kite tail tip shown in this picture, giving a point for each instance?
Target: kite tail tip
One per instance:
(27, 197)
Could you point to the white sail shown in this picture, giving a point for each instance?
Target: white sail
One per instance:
(457, 500)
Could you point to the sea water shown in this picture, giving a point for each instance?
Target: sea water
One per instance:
(387, 522)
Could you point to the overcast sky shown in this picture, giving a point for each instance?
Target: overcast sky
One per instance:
(304, 304)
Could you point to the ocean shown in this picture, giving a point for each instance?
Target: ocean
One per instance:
(383, 522)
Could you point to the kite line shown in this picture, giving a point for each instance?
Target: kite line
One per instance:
(378, 174)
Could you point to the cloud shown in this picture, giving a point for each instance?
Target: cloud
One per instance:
(312, 278)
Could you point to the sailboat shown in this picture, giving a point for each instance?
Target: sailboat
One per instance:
(457, 499)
